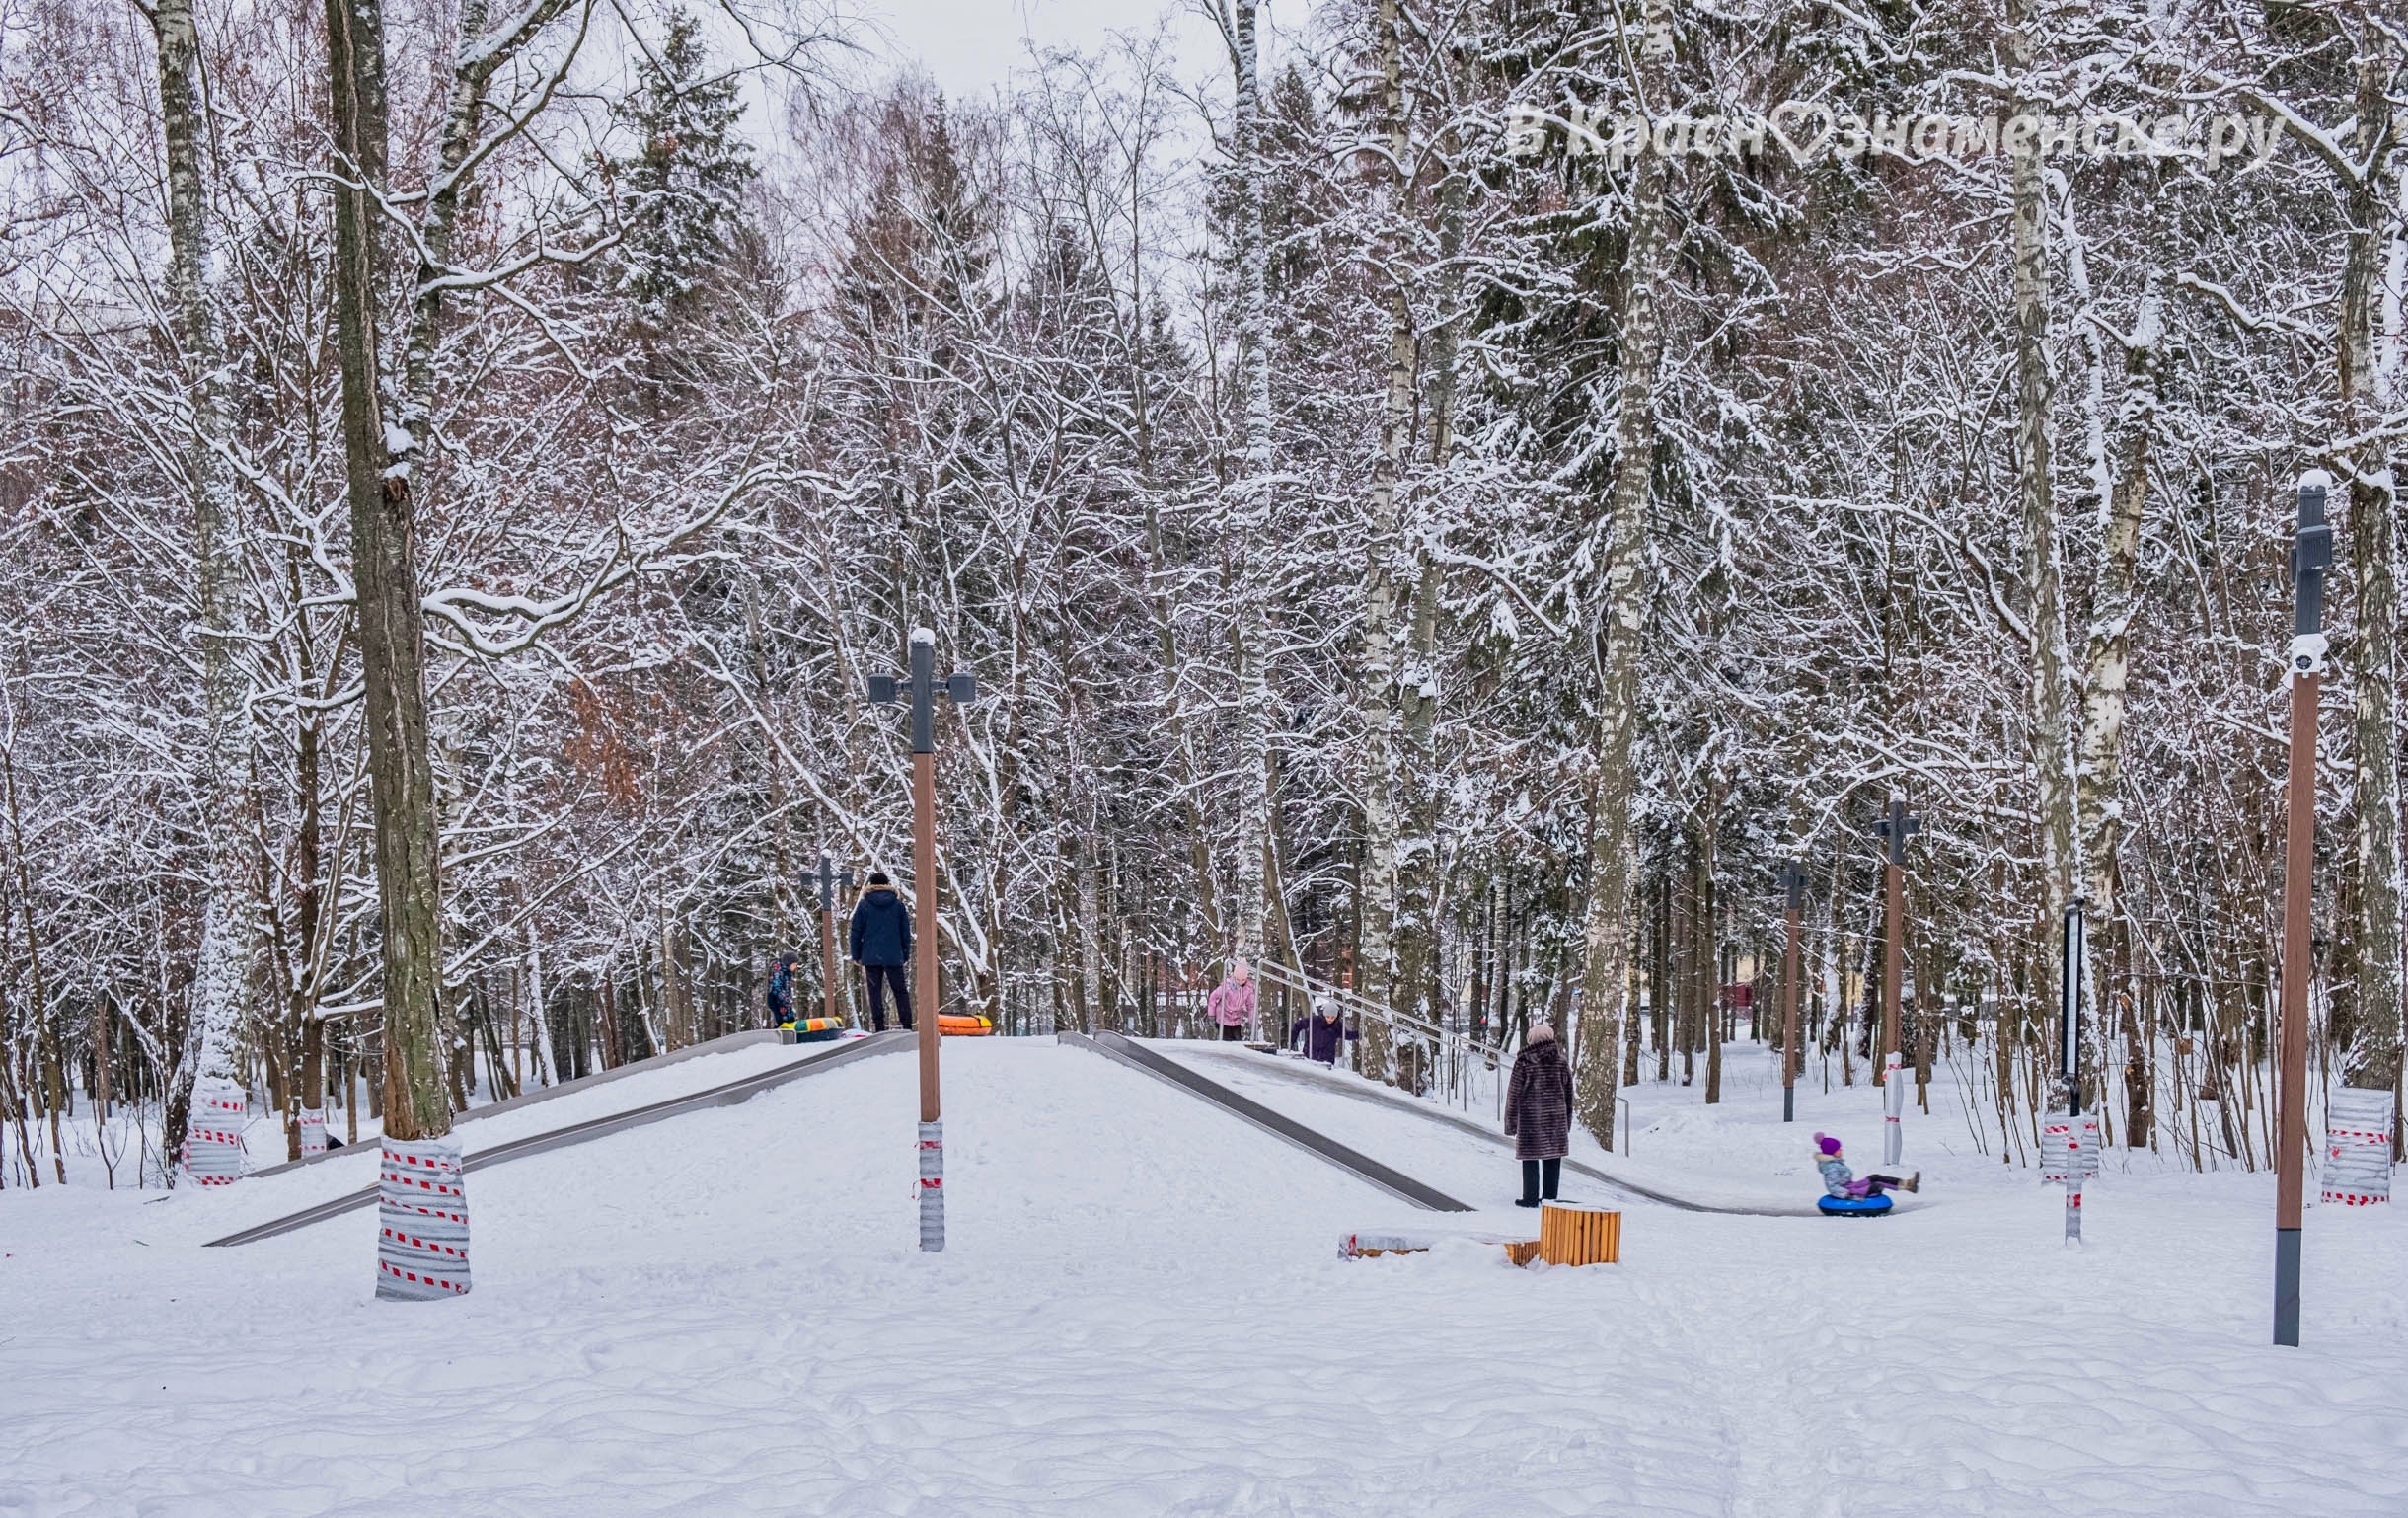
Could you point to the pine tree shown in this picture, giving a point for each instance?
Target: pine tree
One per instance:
(683, 191)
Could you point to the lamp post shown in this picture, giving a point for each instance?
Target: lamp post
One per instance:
(1895, 831)
(1793, 882)
(827, 879)
(922, 686)
(2073, 974)
(2312, 553)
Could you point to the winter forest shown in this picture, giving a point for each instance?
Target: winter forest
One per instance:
(461, 462)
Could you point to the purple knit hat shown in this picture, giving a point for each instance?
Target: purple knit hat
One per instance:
(1826, 1143)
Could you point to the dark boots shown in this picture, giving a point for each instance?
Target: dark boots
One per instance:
(1540, 1178)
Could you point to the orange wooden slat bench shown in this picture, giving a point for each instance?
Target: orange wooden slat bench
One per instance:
(1572, 1234)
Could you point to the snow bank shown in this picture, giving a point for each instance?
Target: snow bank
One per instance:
(1139, 1312)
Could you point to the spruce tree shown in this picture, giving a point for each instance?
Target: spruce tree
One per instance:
(683, 191)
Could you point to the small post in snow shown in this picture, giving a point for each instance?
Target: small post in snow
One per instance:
(827, 877)
(924, 686)
(2312, 553)
(1793, 882)
(1894, 829)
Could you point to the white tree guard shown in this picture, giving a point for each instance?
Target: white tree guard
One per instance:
(421, 1213)
(2071, 1152)
(2357, 1148)
(213, 1135)
(2070, 1148)
(932, 1187)
(313, 1131)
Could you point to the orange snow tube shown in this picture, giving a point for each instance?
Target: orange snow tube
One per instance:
(950, 1026)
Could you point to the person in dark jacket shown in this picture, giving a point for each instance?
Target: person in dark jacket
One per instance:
(1539, 1113)
(881, 947)
(1322, 1032)
(782, 990)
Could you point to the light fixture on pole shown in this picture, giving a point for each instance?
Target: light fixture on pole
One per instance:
(827, 877)
(1793, 884)
(1896, 827)
(2070, 1149)
(2312, 553)
(2073, 968)
(923, 687)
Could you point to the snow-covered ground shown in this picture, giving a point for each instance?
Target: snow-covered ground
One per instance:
(1141, 1311)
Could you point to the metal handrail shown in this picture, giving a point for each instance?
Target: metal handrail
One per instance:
(1358, 1006)
(1455, 1054)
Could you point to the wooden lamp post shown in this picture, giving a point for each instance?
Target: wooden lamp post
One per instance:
(923, 689)
(1894, 829)
(1793, 884)
(2312, 553)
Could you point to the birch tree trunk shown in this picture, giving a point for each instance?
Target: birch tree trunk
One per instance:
(2124, 482)
(1418, 859)
(1617, 617)
(229, 929)
(1254, 358)
(384, 553)
(2371, 1053)
(2041, 585)
(538, 1021)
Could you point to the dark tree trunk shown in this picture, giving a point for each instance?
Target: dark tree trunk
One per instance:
(384, 564)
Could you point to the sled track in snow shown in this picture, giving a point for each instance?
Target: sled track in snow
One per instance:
(1295, 1074)
(1321, 1147)
(730, 1095)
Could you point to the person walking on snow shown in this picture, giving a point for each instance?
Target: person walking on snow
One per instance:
(1231, 1003)
(1539, 1113)
(881, 947)
(1841, 1182)
(1320, 1033)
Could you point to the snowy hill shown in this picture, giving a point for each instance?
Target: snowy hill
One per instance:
(1140, 1311)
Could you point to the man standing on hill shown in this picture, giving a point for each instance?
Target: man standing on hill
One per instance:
(881, 947)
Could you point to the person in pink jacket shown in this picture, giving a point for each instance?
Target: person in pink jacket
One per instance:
(1231, 1003)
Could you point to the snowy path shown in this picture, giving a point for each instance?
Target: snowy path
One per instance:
(1141, 1313)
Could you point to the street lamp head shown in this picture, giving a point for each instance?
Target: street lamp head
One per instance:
(963, 688)
(884, 689)
(2312, 553)
(1793, 884)
(1895, 828)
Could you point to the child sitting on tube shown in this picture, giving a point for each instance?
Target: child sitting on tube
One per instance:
(1841, 1182)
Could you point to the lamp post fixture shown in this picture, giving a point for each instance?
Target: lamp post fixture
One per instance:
(2312, 553)
(1793, 884)
(827, 877)
(2073, 978)
(922, 686)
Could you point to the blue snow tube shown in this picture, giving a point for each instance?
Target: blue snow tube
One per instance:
(1853, 1206)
